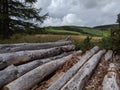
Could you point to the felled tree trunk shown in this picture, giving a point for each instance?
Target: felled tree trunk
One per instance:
(110, 79)
(25, 56)
(65, 77)
(12, 72)
(8, 75)
(22, 69)
(31, 78)
(31, 46)
(82, 76)
(108, 55)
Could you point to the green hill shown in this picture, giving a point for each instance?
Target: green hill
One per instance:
(76, 30)
(106, 27)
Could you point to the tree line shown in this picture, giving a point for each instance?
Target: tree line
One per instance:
(18, 15)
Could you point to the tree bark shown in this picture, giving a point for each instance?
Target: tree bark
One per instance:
(12, 72)
(31, 78)
(25, 56)
(82, 76)
(65, 77)
(108, 55)
(5, 48)
(22, 69)
(8, 75)
(110, 79)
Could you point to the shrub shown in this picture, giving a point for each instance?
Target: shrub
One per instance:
(87, 42)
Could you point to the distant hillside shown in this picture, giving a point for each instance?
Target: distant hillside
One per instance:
(106, 27)
(76, 30)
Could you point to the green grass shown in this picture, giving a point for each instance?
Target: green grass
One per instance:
(61, 32)
(95, 32)
(77, 30)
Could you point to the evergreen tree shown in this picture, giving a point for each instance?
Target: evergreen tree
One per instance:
(18, 15)
(115, 37)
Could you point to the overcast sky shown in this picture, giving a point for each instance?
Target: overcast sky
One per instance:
(80, 12)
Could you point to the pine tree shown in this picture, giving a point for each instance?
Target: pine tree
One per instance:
(118, 20)
(115, 37)
(18, 15)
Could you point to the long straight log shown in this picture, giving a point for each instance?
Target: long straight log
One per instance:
(108, 55)
(22, 44)
(12, 72)
(31, 46)
(82, 76)
(65, 77)
(22, 69)
(8, 75)
(110, 79)
(31, 78)
(25, 56)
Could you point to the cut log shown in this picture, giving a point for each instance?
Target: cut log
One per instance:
(8, 75)
(31, 46)
(28, 80)
(110, 79)
(22, 44)
(65, 77)
(78, 81)
(13, 72)
(108, 55)
(22, 69)
(25, 56)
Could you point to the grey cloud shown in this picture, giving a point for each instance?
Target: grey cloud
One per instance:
(80, 12)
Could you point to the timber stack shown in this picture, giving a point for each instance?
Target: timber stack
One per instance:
(57, 66)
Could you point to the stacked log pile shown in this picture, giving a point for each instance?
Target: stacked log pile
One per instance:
(54, 66)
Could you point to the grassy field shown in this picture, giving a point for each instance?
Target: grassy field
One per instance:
(62, 32)
(43, 38)
(76, 39)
